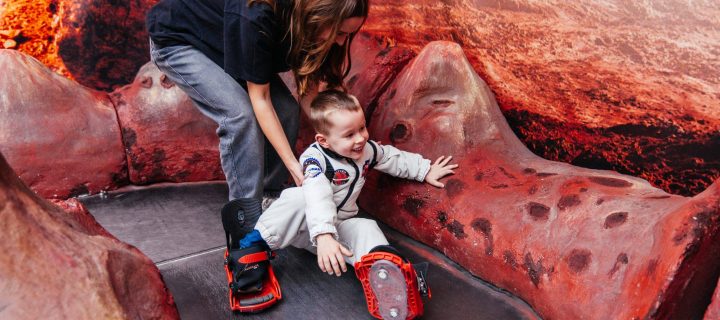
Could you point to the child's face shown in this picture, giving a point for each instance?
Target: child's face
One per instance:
(347, 135)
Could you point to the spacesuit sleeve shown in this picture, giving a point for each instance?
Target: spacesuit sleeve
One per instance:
(401, 164)
(320, 210)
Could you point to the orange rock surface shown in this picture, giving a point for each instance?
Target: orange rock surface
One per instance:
(101, 44)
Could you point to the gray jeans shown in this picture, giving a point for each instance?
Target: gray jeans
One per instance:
(248, 160)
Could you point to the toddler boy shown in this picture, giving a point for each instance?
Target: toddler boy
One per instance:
(320, 215)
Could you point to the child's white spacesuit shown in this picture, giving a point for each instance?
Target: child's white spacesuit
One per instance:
(327, 200)
(326, 204)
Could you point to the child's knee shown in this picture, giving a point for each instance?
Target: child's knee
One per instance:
(369, 227)
(293, 197)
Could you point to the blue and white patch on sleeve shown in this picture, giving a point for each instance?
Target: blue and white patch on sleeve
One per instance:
(311, 168)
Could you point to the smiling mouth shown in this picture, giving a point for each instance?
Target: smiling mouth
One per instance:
(358, 149)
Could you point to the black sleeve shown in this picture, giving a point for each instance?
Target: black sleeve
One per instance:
(249, 47)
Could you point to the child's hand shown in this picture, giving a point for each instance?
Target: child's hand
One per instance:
(330, 254)
(438, 170)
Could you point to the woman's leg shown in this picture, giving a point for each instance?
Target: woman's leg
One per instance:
(219, 97)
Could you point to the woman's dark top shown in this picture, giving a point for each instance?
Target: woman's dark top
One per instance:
(248, 42)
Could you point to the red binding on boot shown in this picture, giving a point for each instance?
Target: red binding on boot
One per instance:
(414, 300)
(255, 301)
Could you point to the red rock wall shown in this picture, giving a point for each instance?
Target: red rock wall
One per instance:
(631, 87)
(627, 86)
(713, 311)
(99, 43)
(575, 243)
(63, 265)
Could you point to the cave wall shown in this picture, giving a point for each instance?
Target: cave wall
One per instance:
(631, 87)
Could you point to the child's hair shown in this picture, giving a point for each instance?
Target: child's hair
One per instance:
(328, 102)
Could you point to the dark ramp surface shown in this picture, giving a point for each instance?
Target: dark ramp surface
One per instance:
(179, 228)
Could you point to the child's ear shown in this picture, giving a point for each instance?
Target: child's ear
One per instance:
(322, 140)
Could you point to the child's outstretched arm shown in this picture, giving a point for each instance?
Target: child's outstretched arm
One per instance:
(438, 170)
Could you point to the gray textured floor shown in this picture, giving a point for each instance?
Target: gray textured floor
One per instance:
(178, 227)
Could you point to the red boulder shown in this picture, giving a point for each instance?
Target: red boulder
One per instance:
(61, 138)
(166, 138)
(575, 243)
(103, 43)
(64, 266)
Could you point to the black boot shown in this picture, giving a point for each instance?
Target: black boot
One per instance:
(239, 217)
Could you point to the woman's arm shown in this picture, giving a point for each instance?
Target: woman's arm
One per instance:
(271, 127)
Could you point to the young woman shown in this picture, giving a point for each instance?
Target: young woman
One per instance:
(226, 55)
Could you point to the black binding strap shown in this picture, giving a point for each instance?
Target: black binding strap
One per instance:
(374, 161)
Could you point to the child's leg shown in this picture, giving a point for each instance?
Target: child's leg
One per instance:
(284, 221)
(361, 235)
(392, 286)
(252, 281)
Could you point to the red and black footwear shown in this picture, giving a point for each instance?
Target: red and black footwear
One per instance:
(251, 280)
(393, 288)
(252, 285)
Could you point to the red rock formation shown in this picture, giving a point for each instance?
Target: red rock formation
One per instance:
(575, 243)
(375, 63)
(628, 86)
(610, 84)
(99, 43)
(63, 265)
(61, 138)
(166, 138)
(77, 212)
(713, 311)
(103, 43)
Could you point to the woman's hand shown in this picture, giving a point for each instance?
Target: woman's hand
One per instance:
(296, 173)
(438, 170)
(330, 254)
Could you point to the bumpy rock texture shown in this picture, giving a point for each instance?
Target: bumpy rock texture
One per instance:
(628, 86)
(713, 311)
(375, 63)
(575, 243)
(63, 265)
(62, 139)
(99, 43)
(166, 138)
(92, 49)
(609, 84)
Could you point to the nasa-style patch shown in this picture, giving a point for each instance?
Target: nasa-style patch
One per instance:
(311, 168)
(341, 177)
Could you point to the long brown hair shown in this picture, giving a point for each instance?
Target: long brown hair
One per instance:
(313, 61)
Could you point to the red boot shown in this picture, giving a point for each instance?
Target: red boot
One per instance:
(251, 280)
(393, 288)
